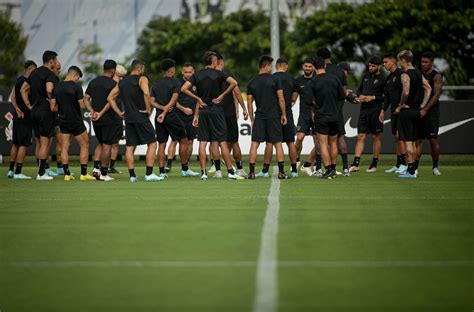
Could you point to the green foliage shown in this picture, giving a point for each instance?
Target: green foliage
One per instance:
(12, 45)
(89, 57)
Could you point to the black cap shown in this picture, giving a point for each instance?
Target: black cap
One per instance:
(346, 66)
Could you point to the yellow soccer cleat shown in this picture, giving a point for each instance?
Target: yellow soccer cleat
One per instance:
(87, 177)
(68, 178)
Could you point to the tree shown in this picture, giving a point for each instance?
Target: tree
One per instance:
(89, 57)
(12, 46)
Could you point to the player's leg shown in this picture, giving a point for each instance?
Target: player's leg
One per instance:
(342, 149)
(280, 156)
(66, 143)
(293, 156)
(267, 159)
(83, 141)
(202, 159)
(359, 149)
(324, 149)
(57, 136)
(253, 158)
(113, 159)
(299, 144)
(171, 155)
(13, 157)
(376, 147)
(237, 153)
(161, 158)
(333, 150)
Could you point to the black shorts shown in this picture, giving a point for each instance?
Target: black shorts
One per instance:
(139, 133)
(43, 123)
(305, 124)
(74, 128)
(394, 119)
(212, 126)
(326, 126)
(108, 134)
(289, 130)
(429, 125)
(232, 129)
(341, 130)
(22, 133)
(172, 127)
(408, 124)
(267, 130)
(369, 122)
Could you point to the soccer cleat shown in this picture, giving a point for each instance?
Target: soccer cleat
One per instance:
(371, 169)
(204, 177)
(87, 177)
(96, 174)
(234, 176)
(407, 175)
(436, 171)
(51, 173)
(294, 174)
(68, 177)
(282, 176)
(10, 174)
(218, 174)
(392, 170)
(262, 174)
(346, 173)
(307, 170)
(167, 169)
(106, 178)
(44, 177)
(329, 174)
(212, 169)
(188, 173)
(60, 171)
(154, 178)
(251, 176)
(318, 173)
(114, 170)
(354, 168)
(163, 175)
(21, 176)
(133, 179)
(338, 173)
(298, 163)
(242, 173)
(402, 169)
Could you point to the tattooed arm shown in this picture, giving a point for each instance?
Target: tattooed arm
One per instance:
(437, 86)
(405, 92)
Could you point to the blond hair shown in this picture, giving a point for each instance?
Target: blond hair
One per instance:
(120, 70)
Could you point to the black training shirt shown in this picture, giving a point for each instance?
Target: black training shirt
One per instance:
(99, 89)
(163, 91)
(416, 88)
(67, 95)
(208, 83)
(263, 88)
(327, 92)
(306, 96)
(133, 100)
(289, 86)
(185, 100)
(19, 101)
(228, 101)
(393, 90)
(37, 81)
(430, 77)
(372, 84)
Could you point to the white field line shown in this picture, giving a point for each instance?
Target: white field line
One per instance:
(266, 291)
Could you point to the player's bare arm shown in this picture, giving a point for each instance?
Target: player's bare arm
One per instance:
(112, 100)
(232, 84)
(281, 102)
(25, 92)
(143, 83)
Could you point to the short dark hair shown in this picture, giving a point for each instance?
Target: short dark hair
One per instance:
(219, 56)
(264, 60)
(392, 56)
(428, 55)
(188, 64)
(136, 63)
(309, 60)
(48, 56)
(167, 64)
(30, 63)
(75, 69)
(281, 60)
(324, 53)
(375, 59)
(207, 57)
(319, 62)
(109, 65)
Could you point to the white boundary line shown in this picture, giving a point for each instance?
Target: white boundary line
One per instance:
(266, 292)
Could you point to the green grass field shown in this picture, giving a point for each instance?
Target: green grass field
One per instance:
(370, 242)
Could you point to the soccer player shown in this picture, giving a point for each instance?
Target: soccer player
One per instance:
(415, 95)
(107, 124)
(231, 104)
(41, 86)
(430, 113)
(135, 94)
(57, 133)
(328, 92)
(305, 119)
(209, 113)
(22, 126)
(288, 84)
(392, 94)
(69, 101)
(164, 95)
(267, 91)
(370, 95)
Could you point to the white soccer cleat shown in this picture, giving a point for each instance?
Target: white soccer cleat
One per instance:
(204, 177)
(371, 170)
(106, 178)
(153, 178)
(262, 174)
(294, 174)
(21, 176)
(218, 174)
(212, 169)
(402, 169)
(163, 175)
(234, 177)
(317, 173)
(436, 171)
(338, 173)
(392, 170)
(346, 173)
(306, 170)
(44, 177)
(10, 174)
(354, 169)
(242, 173)
(188, 173)
(133, 179)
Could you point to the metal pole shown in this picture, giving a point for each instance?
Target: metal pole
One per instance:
(275, 29)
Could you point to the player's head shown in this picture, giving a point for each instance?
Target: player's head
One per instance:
(29, 67)
(346, 67)
(265, 63)
(168, 66)
(188, 70)
(324, 53)
(308, 67)
(138, 67)
(220, 61)
(390, 61)
(405, 58)
(281, 64)
(110, 66)
(74, 73)
(57, 68)
(319, 63)
(427, 61)
(374, 64)
(120, 72)
(209, 59)
(49, 59)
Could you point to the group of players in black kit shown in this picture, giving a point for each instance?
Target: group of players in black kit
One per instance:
(205, 105)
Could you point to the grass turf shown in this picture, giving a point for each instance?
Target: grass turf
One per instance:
(187, 245)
